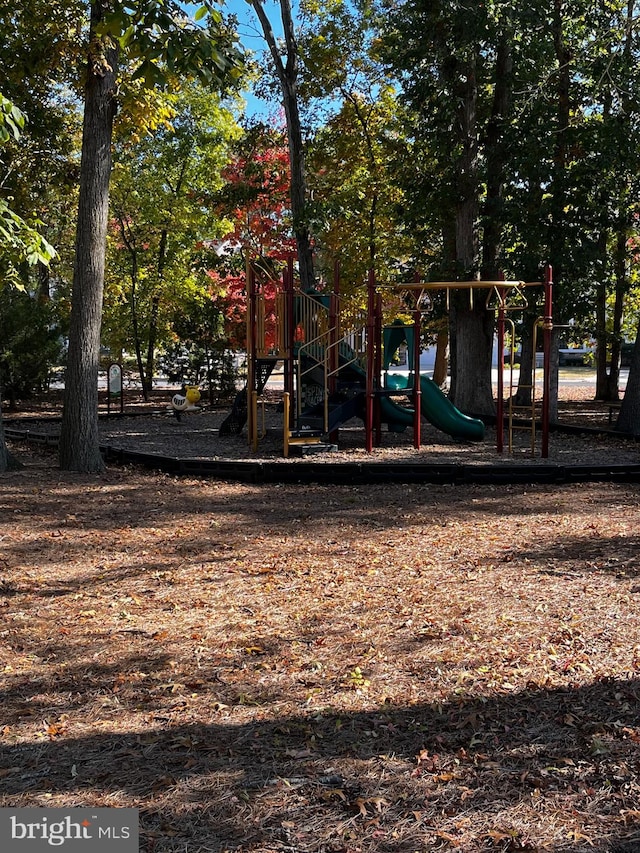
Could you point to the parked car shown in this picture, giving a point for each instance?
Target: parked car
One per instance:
(575, 356)
(626, 354)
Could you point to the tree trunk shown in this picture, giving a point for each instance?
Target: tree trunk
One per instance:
(561, 144)
(135, 326)
(4, 453)
(495, 156)
(147, 377)
(523, 396)
(608, 343)
(44, 283)
(474, 334)
(287, 75)
(629, 417)
(79, 440)
(466, 209)
(602, 338)
(472, 326)
(147, 382)
(621, 288)
(441, 366)
(137, 344)
(7, 460)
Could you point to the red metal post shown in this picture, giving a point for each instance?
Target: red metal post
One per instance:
(548, 328)
(500, 360)
(370, 343)
(377, 371)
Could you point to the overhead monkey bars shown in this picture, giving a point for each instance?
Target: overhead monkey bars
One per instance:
(502, 290)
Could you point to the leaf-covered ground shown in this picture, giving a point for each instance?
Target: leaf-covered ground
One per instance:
(306, 669)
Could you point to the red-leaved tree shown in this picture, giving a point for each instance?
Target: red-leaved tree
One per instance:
(256, 201)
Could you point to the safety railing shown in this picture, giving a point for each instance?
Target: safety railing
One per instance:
(324, 345)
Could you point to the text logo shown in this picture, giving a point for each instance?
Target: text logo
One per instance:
(36, 830)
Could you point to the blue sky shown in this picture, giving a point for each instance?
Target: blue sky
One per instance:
(251, 37)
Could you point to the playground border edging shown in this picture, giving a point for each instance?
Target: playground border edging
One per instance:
(356, 473)
(363, 473)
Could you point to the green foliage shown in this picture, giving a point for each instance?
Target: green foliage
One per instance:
(31, 344)
(40, 52)
(356, 199)
(20, 241)
(162, 199)
(199, 355)
(551, 206)
(164, 43)
(352, 155)
(11, 120)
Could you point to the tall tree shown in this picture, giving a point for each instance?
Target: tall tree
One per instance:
(355, 142)
(616, 70)
(629, 417)
(159, 40)
(79, 443)
(445, 58)
(286, 61)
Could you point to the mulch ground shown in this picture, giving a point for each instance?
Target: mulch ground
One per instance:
(323, 669)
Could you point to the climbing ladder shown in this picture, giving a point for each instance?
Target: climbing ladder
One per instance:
(520, 417)
(523, 417)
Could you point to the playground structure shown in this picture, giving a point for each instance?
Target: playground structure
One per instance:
(338, 364)
(509, 297)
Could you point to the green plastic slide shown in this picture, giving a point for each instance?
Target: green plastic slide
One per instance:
(435, 407)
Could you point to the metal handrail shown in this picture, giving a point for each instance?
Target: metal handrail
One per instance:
(322, 342)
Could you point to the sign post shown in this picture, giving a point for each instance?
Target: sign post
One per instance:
(115, 389)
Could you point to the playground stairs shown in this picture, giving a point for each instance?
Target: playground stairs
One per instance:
(306, 442)
(339, 411)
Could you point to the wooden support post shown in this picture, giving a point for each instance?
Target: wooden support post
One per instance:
(291, 332)
(417, 387)
(285, 425)
(253, 433)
